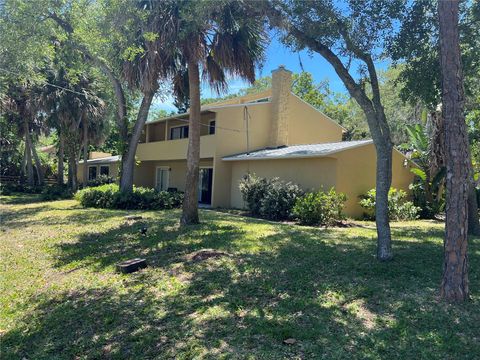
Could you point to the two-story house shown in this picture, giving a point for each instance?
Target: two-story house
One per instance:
(271, 134)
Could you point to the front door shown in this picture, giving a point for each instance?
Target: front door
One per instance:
(205, 186)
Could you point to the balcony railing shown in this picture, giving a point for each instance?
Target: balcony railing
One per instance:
(174, 149)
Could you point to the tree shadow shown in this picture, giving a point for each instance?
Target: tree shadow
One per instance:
(165, 242)
(13, 218)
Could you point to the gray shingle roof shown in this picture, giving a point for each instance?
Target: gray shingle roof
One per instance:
(105, 160)
(298, 151)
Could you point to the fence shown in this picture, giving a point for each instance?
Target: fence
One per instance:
(6, 179)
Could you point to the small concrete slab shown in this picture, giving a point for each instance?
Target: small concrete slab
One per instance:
(131, 265)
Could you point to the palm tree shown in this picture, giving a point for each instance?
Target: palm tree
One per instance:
(76, 111)
(149, 60)
(216, 39)
(21, 104)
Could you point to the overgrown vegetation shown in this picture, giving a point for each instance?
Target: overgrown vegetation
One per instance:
(320, 208)
(110, 197)
(399, 208)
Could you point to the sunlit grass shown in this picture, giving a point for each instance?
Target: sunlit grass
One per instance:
(62, 299)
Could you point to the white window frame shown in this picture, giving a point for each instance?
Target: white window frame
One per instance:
(96, 173)
(167, 168)
(100, 169)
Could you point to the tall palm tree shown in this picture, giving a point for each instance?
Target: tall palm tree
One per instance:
(216, 39)
(155, 60)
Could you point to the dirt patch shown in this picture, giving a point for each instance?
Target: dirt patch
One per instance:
(205, 254)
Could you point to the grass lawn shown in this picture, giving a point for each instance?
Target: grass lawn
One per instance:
(62, 299)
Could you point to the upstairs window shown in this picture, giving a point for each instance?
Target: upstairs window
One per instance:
(179, 132)
(211, 128)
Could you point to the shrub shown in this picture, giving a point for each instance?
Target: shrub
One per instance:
(269, 198)
(253, 189)
(7, 189)
(109, 196)
(320, 208)
(279, 200)
(399, 208)
(56, 192)
(101, 180)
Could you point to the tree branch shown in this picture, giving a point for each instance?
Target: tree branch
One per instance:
(103, 66)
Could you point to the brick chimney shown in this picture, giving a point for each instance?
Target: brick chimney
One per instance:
(281, 88)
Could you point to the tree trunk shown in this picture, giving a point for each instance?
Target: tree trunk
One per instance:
(61, 148)
(28, 154)
(454, 285)
(128, 159)
(72, 172)
(190, 201)
(23, 166)
(38, 164)
(437, 151)
(85, 151)
(383, 183)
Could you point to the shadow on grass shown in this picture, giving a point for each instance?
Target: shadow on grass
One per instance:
(20, 199)
(318, 286)
(46, 214)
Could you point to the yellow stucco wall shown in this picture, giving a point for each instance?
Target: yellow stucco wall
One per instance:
(309, 126)
(310, 174)
(231, 138)
(356, 175)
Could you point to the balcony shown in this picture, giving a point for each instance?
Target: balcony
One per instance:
(174, 149)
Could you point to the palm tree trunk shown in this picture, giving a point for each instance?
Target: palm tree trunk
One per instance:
(72, 172)
(128, 159)
(61, 149)
(28, 154)
(85, 151)
(455, 267)
(38, 164)
(190, 201)
(23, 165)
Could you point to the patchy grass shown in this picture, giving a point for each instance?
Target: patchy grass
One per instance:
(264, 283)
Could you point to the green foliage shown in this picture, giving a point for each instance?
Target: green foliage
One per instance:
(320, 208)
(100, 180)
(7, 189)
(110, 197)
(427, 187)
(56, 192)
(399, 208)
(269, 198)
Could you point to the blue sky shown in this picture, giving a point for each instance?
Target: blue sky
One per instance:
(276, 54)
